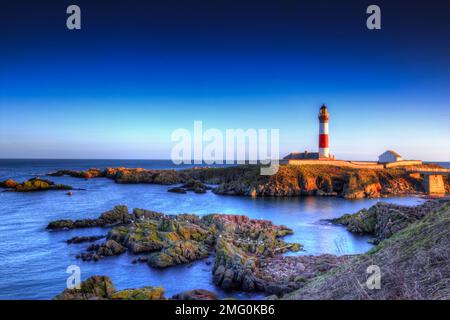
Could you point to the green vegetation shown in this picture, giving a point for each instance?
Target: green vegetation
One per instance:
(413, 262)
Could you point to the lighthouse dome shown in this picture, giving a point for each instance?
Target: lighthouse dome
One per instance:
(323, 110)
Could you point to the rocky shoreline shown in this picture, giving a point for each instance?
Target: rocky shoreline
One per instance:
(384, 219)
(412, 257)
(247, 254)
(289, 181)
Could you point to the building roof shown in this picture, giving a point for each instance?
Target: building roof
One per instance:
(323, 109)
(394, 153)
(302, 156)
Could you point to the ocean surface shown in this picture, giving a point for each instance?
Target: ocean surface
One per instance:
(33, 261)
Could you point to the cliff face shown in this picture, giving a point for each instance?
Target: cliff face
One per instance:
(413, 263)
(325, 180)
(290, 180)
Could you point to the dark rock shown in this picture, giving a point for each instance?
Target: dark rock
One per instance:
(177, 190)
(196, 294)
(84, 239)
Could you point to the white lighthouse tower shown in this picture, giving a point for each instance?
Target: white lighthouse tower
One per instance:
(324, 151)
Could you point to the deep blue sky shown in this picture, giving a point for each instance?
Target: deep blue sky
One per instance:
(140, 69)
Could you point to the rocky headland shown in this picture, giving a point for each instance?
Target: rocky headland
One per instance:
(290, 180)
(34, 184)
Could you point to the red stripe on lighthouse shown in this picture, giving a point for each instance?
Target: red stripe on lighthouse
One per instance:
(323, 141)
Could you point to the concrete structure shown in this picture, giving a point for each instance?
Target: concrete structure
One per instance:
(389, 156)
(324, 150)
(433, 178)
(434, 184)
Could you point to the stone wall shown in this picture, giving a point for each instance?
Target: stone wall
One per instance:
(403, 163)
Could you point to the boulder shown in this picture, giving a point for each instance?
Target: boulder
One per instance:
(9, 184)
(93, 288)
(177, 190)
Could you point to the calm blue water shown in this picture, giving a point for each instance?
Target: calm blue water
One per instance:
(33, 260)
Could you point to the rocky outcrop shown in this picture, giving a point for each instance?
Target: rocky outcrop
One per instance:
(10, 183)
(76, 240)
(118, 215)
(239, 243)
(177, 190)
(196, 186)
(99, 251)
(290, 180)
(34, 184)
(384, 219)
(102, 288)
(192, 185)
(94, 288)
(88, 174)
(323, 180)
(127, 175)
(413, 263)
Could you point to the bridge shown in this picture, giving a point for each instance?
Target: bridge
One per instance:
(433, 178)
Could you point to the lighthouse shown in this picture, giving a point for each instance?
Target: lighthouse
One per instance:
(324, 151)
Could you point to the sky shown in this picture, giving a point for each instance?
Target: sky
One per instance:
(138, 70)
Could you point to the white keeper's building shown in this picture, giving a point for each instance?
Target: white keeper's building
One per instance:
(389, 156)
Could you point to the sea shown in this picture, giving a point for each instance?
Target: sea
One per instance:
(34, 261)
